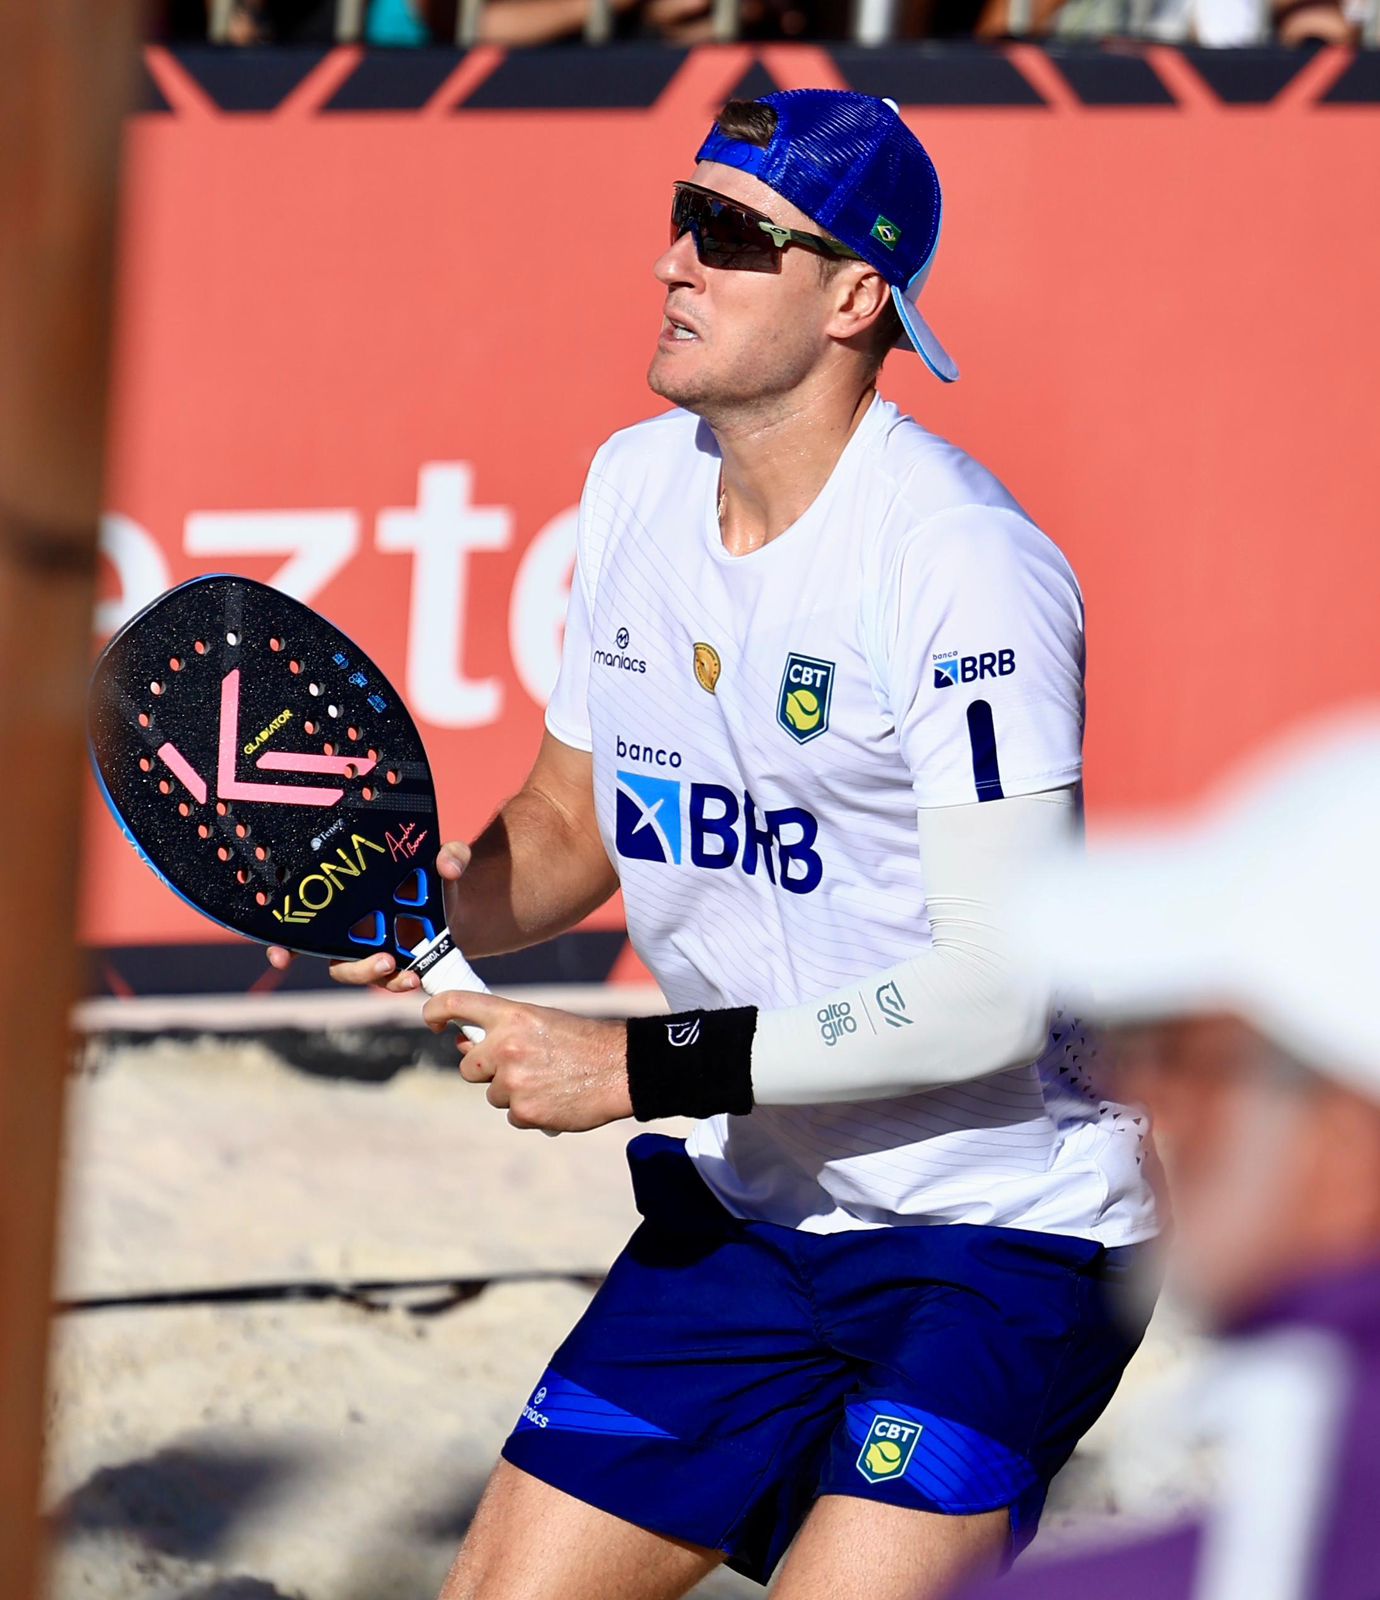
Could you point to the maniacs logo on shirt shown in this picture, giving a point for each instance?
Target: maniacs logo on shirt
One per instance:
(951, 668)
(617, 657)
(706, 825)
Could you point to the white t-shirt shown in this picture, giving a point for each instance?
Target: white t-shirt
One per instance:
(763, 728)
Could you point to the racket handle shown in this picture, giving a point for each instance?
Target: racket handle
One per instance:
(440, 966)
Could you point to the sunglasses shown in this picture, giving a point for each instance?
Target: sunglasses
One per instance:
(734, 236)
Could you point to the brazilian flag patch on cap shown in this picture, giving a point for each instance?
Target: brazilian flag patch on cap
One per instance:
(886, 232)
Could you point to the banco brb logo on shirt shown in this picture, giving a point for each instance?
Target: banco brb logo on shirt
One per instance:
(708, 826)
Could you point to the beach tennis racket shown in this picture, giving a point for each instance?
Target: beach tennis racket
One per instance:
(266, 770)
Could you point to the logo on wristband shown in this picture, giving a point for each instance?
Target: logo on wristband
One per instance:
(680, 1034)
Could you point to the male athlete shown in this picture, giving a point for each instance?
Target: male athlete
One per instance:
(821, 694)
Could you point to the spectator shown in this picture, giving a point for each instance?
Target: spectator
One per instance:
(1248, 950)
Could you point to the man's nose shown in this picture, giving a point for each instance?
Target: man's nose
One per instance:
(679, 262)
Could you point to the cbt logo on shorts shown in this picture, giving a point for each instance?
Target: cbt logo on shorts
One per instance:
(954, 668)
(802, 707)
(654, 818)
(887, 1449)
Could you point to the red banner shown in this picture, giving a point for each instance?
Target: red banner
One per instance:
(366, 355)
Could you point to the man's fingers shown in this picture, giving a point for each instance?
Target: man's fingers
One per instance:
(280, 958)
(452, 859)
(473, 1070)
(372, 969)
(464, 1005)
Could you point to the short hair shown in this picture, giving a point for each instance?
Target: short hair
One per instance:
(753, 122)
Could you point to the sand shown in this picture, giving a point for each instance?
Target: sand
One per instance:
(303, 1436)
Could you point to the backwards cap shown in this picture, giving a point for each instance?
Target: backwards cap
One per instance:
(850, 163)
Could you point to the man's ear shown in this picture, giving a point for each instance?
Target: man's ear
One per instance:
(860, 297)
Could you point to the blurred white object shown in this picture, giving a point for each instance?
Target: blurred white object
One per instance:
(1264, 906)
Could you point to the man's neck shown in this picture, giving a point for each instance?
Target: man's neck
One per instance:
(775, 464)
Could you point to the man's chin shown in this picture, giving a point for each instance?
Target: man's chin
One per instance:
(680, 388)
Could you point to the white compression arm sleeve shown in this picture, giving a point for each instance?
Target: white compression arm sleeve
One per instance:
(956, 1010)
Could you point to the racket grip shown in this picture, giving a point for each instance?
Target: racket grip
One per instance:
(440, 966)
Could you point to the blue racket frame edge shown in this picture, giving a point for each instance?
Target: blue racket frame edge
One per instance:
(365, 697)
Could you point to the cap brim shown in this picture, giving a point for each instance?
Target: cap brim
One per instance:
(921, 338)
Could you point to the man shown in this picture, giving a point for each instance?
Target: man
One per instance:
(821, 693)
(1247, 951)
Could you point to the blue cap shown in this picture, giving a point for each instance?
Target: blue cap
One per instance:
(849, 162)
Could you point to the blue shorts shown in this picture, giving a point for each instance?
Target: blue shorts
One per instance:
(728, 1373)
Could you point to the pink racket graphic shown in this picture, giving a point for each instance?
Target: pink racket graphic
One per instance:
(266, 770)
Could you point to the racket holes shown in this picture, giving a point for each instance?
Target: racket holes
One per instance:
(294, 666)
(313, 688)
(261, 852)
(281, 874)
(232, 637)
(203, 830)
(164, 787)
(392, 775)
(410, 932)
(200, 647)
(367, 792)
(308, 727)
(183, 809)
(373, 754)
(174, 663)
(354, 735)
(332, 711)
(224, 852)
(145, 765)
(221, 808)
(155, 687)
(328, 748)
(241, 876)
(275, 644)
(351, 770)
(143, 719)
(262, 898)
(241, 832)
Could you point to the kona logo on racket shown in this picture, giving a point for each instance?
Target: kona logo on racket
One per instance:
(315, 898)
(265, 734)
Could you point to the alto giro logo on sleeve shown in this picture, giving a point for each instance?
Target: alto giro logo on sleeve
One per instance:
(887, 1449)
(802, 707)
(951, 668)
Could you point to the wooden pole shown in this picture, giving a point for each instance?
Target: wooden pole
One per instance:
(65, 76)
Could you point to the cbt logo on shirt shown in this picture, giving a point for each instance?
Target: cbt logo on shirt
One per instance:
(706, 825)
(802, 707)
(951, 668)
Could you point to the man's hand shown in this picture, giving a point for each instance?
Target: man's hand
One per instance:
(550, 1069)
(382, 970)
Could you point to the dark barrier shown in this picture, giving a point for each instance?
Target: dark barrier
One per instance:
(377, 310)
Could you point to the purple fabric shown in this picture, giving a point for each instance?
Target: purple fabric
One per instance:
(1345, 1304)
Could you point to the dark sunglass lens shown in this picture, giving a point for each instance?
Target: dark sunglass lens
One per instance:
(726, 235)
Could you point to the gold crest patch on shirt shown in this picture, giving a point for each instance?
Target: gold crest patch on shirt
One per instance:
(707, 667)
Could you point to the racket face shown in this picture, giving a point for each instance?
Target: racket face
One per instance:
(265, 769)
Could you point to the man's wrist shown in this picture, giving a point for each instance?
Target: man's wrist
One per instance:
(693, 1064)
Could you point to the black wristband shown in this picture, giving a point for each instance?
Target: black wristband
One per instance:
(694, 1064)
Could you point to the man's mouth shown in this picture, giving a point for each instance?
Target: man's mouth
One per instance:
(678, 329)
